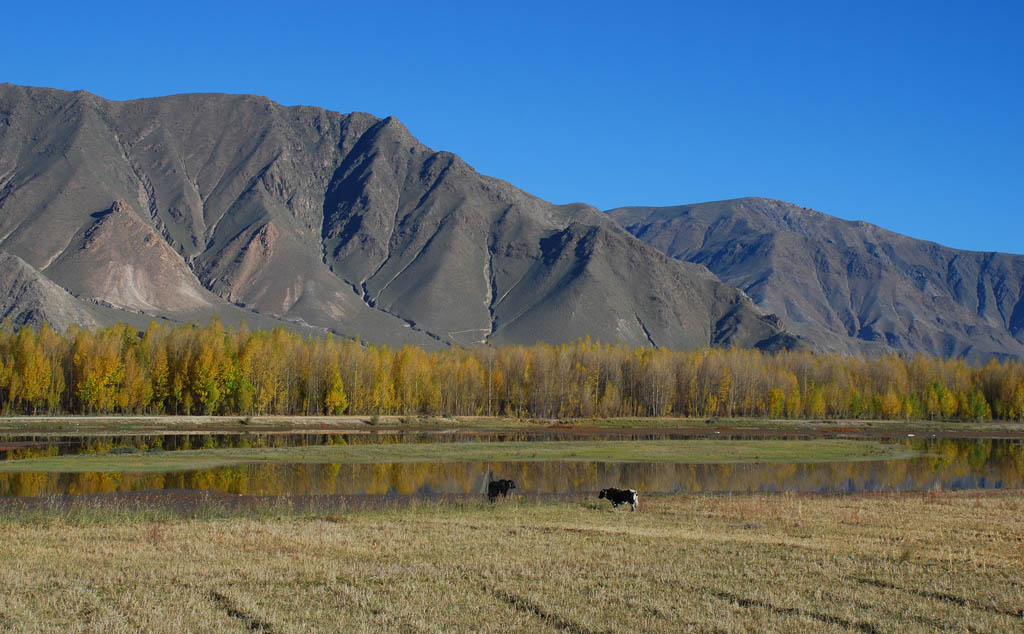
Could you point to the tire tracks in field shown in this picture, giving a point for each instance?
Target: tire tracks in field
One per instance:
(225, 604)
(817, 616)
(525, 605)
(252, 623)
(943, 596)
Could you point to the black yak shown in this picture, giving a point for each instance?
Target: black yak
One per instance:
(497, 487)
(619, 496)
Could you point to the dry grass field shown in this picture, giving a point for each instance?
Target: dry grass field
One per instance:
(887, 563)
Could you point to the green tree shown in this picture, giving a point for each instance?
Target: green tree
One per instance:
(336, 401)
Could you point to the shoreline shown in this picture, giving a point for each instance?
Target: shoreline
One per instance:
(157, 424)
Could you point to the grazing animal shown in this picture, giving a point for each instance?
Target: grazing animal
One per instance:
(497, 487)
(620, 496)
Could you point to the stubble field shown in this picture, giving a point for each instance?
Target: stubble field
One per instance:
(928, 562)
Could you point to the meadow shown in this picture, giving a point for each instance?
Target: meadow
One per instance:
(937, 561)
(688, 451)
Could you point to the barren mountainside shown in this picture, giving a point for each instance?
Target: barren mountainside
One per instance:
(28, 297)
(188, 206)
(848, 286)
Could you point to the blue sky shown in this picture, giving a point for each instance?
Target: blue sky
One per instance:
(905, 114)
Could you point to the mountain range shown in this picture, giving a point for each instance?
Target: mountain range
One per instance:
(183, 207)
(851, 287)
(188, 206)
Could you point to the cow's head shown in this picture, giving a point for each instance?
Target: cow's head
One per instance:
(603, 494)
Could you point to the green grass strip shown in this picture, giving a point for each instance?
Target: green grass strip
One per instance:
(686, 451)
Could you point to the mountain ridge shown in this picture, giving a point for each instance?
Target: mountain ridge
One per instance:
(871, 288)
(335, 221)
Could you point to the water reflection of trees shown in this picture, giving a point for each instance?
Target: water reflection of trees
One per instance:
(947, 463)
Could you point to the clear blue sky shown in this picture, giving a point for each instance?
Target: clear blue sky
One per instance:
(906, 114)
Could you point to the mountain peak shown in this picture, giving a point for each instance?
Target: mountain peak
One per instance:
(848, 286)
(345, 222)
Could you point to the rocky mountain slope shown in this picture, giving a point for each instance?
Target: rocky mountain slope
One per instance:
(193, 205)
(28, 297)
(847, 286)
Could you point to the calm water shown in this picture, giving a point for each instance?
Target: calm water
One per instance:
(950, 464)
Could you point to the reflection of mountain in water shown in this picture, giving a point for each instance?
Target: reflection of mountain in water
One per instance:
(949, 464)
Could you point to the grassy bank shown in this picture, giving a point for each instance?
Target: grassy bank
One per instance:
(70, 425)
(688, 451)
(904, 563)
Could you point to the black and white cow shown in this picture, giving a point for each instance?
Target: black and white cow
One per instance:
(619, 496)
(497, 487)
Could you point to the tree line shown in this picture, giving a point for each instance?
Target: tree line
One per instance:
(212, 369)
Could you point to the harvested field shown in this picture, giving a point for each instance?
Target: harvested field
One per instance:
(880, 563)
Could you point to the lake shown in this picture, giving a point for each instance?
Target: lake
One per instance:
(947, 463)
